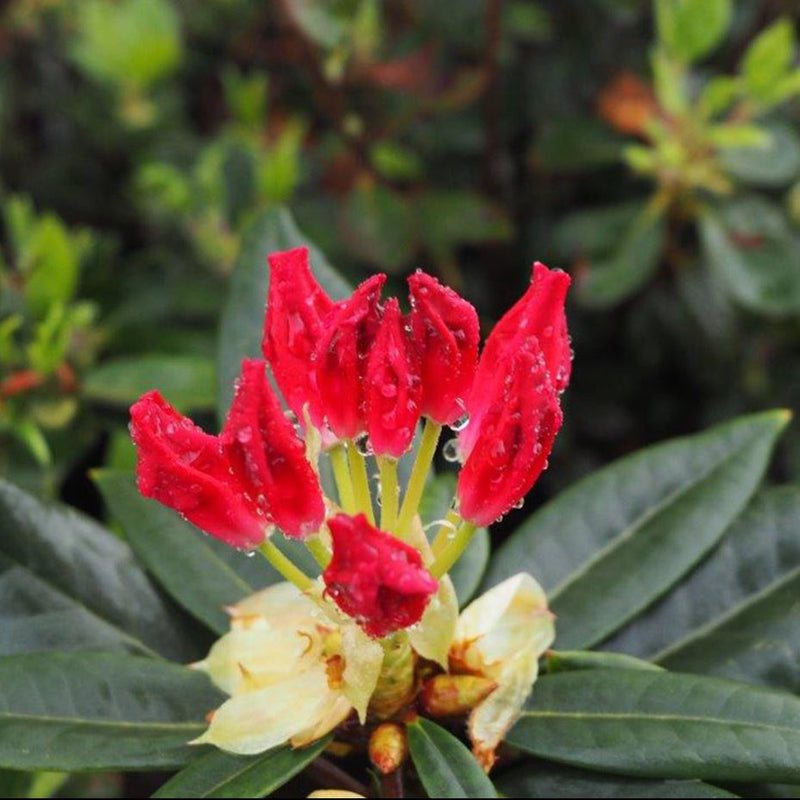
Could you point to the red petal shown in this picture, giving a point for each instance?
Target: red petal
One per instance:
(538, 313)
(181, 466)
(375, 578)
(341, 358)
(296, 307)
(393, 386)
(268, 457)
(446, 330)
(512, 440)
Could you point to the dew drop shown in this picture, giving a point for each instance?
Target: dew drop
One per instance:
(519, 503)
(363, 446)
(450, 451)
(244, 435)
(389, 390)
(460, 423)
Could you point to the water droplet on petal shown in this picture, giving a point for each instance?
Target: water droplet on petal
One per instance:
(450, 451)
(460, 423)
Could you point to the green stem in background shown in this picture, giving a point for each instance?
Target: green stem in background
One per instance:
(358, 472)
(419, 474)
(341, 474)
(446, 531)
(318, 550)
(453, 550)
(389, 492)
(283, 565)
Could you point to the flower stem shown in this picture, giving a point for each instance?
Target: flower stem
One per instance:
(453, 550)
(419, 474)
(389, 492)
(341, 474)
(358, 471)
(283, 565)
(446, 531)
(318, 550)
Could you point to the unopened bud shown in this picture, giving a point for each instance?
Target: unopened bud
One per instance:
(453, 695)
(388, 747)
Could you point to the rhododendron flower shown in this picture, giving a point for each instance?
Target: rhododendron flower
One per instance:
(237, 485)
(501, 636)
(292, 673)
(376, 578)
(381, 622)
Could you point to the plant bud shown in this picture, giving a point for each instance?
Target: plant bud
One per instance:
(388, 747)
(452, 695)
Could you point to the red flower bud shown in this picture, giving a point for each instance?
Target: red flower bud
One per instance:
(233, 486)
(393, 386)
(268, 457)
(447, 332)
(182, 467)
(296, 308)
(341, 358)
(511, 439)
(375, 578)
(538, 313)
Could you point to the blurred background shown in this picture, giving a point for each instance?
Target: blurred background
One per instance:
(650, 149)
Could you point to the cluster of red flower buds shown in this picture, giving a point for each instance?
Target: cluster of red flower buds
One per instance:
(360, 368)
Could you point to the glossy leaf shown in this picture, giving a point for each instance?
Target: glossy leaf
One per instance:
(220, 774)
(611, 545)
(540, 779)
(243, 317)
(759, 554)
(201, 573)
(444, 765)
(79, 711)
(187, 381)
(661, 724)
(85, 563)
(570, 660)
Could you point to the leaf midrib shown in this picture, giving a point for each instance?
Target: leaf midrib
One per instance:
(630, 531)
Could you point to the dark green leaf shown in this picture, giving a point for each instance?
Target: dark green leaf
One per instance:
(78, 711)
(549, 780)
(635, 260)
(748, 245)
(611, 545)
(186, 381)
(91, 567)
(35, 616)
(569, 660)
(758, 640)
(662, 725)
(759, 554)
(573, 145)
(444, 765)
(243, 318)
(201, 573)
(221, 774)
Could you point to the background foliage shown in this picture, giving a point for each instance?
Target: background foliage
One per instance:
(151, 153)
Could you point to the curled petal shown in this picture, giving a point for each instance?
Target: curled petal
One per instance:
(303, 706)
(393, 386)
(375, 578)
(510, 442)
(446, 330)
(184, 468)
(296, 308)
(501, 636)
(268, 457)
(340, 358)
